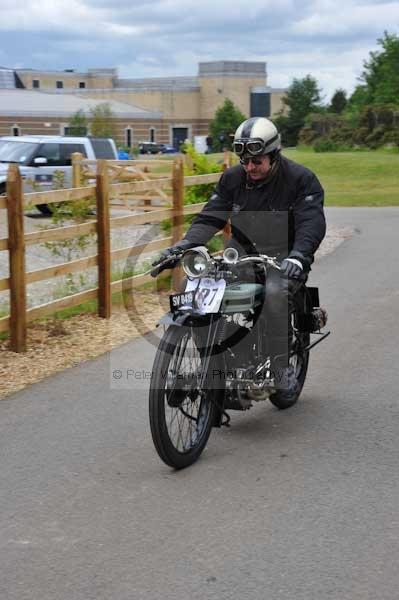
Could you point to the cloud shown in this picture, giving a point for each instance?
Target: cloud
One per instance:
(149, 38)
(350, 20)
(48, 15)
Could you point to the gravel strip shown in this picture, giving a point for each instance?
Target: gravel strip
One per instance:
(40, 257)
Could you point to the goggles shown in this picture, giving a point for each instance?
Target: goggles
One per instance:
(252, 147)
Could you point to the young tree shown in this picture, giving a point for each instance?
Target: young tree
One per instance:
(227, 118)
(102, 121)
(338, 101)
(78, 124)
(302, 98)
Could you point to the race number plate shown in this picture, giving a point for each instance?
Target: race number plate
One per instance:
(203, 296)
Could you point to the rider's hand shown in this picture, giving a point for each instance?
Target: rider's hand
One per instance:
(169, 253)
(291, 268)
(176, 249)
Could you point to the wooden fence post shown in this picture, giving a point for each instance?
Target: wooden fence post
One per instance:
(178, 217)
(226, 159)
(103, 241)
(16, 252)
(76, 158)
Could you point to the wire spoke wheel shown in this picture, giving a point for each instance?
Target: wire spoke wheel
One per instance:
(181, 407)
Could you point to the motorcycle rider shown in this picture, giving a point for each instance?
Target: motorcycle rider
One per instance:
(275, 207)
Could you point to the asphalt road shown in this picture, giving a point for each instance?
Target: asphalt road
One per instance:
(300, 504)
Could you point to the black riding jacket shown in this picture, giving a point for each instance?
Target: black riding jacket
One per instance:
(280, 216)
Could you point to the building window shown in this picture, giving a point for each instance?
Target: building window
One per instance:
(260, 104)
(36, 84)
(82, 85)
(128, 137)
(59, 85)
(15, 130)
(152, 134)
(74, 131)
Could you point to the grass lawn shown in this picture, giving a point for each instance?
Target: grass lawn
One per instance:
(354, 178)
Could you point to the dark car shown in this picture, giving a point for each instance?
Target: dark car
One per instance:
(166, 149)
(149, 148)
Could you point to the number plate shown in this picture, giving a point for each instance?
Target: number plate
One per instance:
(203, 296)
(181, 301)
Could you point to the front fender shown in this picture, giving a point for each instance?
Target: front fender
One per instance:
(177, 319)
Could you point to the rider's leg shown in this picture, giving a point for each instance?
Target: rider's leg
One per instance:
(279, 299)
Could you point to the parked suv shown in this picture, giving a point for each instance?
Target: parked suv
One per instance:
(39, 157)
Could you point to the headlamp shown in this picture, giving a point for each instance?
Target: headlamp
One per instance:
(196, 262)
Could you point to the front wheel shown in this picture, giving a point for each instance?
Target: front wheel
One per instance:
(182, 398)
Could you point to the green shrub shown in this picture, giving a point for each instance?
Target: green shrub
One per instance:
(375, 138)
(331, 145)
(360, 134)
(325, 145)
(307, 136)
(195, 164)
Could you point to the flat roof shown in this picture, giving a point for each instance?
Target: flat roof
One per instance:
(31, 103)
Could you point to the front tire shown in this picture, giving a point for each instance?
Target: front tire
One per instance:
(181, 414)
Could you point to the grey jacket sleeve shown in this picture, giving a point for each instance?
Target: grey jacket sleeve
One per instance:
(309, 220)
(213, 216)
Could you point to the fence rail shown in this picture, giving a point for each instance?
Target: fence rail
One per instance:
(141, 185)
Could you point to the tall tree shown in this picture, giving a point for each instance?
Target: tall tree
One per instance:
(338, 101)
(226, 120)
(359, 98)
(102, 121)
(302, 98)
(381, 72)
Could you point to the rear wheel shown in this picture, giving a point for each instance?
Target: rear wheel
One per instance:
(182, 398)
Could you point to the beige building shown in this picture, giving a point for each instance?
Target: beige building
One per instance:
(177, 107)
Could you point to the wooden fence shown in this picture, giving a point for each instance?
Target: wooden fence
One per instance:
(169, 187)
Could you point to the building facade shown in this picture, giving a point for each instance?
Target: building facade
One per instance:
(177, 107)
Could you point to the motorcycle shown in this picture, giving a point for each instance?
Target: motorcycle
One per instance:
(198, 375)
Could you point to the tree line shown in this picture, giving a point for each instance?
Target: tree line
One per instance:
(369, 117)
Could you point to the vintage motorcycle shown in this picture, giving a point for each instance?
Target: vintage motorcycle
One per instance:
(198, 375)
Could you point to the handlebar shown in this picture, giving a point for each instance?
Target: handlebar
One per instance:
(172, 259)
(262, 259)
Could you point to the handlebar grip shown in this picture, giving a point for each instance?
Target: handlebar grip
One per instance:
(170, 263)
(157, 270)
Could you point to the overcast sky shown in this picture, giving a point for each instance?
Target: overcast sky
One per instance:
(147, 38)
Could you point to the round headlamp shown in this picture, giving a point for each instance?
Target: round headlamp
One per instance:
(196, 262)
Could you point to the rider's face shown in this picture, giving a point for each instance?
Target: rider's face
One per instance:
(258, 167)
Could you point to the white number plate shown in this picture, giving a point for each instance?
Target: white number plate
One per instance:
(208, 294)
